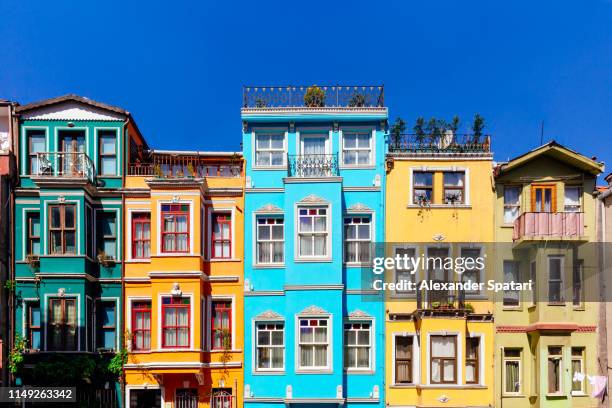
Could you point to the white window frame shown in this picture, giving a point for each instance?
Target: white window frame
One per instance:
(160, 226)
(580, 206)
(518, 274)
(481, 357)
(372, 149)
(98, 149)
(508, 206)
(328, 233)
(459, 361)
(370, 344)
(130, 302)
(481, 272)
(269, 241)
(561, 370)
(210, 210)
(416, 360)
(256, 367)
(130, 215)
(561, 280)
(464, 188)
(208, 331)
(315, 369)
(582, 370)
(265, 132)
(415, 275)
(160, 329)
(311, 135)
(520, 371)
(357, 240)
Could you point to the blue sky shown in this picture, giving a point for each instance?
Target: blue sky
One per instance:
(179, 66)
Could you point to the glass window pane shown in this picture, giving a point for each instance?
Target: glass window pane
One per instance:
(423, 179)
(107, 144)
(108, 165)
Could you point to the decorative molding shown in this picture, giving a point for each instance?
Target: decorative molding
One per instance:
(269, 315)
(359, 314)
(313, 199)
(314, 311)
(269, 209)
(359, 208)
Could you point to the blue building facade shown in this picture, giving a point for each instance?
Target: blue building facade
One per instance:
(314, 203)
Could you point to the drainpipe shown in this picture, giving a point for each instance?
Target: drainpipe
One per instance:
(603, 333)
(126, 154)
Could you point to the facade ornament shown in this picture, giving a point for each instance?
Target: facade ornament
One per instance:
(61, 292)
(438, 237)
(270, 209)
(313, 199)
(314, 310)
(359, 314)
(176, 290)
(359, 208)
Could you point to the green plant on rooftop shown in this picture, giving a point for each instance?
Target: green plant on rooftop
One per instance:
(314, 97)
(398, 127)
(478, 127)
(358, 100)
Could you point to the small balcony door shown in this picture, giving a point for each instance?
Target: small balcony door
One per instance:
(543, 198)
(72, 145)
(315, 156)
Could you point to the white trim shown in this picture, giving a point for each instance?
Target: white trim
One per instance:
(25, 146)
(416, 358)
(220, 209)
(372, 163)
(118, 239)
(255, 240)
(481, 356)
(255, 369)
(296, 245)
(209, 300)
(330, 342)
(459, 343)
(77, 226)
(76, 296)
(117, 320)
(128, 323)
(277, 131)
(518, 359)
(128, 250)
(160, 223)
(97, 149)
(26, 230)
(371, 369)
(160, 330)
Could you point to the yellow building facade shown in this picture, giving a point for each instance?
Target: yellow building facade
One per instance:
(439, 343)
(183, 279)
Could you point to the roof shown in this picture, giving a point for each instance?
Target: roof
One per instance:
(556, 151)
(195, 153)
(71, 97)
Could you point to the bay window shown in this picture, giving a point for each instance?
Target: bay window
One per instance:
(62, 327)
(270, 240)
(175, 228)
(62, 229)
(33, 240)
(357, 239)
(36, 140)
(221, 235)
(511, 274)
(270, 339)
(555, 279)
(141, 325)
(221, 325)
(357, 345)
(443, 359)
(312, 232)
(175, 321)
(313, 343)
(33, 328)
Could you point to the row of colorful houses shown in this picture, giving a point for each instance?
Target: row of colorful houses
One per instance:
(162, 278)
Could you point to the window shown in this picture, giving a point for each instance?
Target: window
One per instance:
(270, 240)
(511, 274)
(357, 239)
(222, 235)
(108, 152)
(471, 273)
(62, 229)
(437, 271)
(443, 362)
(578, 367)
(91, 324)
(572, 199)
(221, 398)
(33, 243)
(141, 325)
(472, 358)
(555, 367)
(454, 187)
(313, 343)
(512, 204)
(106, 231)
(403, 359)
(422, 187)
(312, 232)
(270, 149)
(534, 288)
(141, 235)
(62, 327)
(270, 346)
(36, 144)
(357, 346)
(33, 326)
(175, 227)
(106, 318)
(512, 371)
(577, 287)
(543, 198)
(175, 322)
(405, 274)
(89, 239)
(221, 322)
(357, 148)
(555, 280)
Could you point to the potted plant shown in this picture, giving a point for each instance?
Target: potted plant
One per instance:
(453, 198)
(157, 171)
(469, 308)
(314, 97)
(104, 259)
(435, 305)
(191, 170)
(260, 103)
(419, 131)
(358, 100)
(477, 128)
(423, 201)
(33, 260)
(396, 132)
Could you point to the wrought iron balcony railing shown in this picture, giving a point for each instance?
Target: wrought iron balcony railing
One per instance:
(313, 165)
(180, 171)
(441, 299)
(539, 225)
(71, 165)
(439, 143)
(329, 96)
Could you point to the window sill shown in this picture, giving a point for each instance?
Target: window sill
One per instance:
(556, 396)
(403, 386)
(269, 266)
(507, 226)
(357, 167)
(350, 371)
(513, 396)
(447, 206)
(223, 260)
(579, 394)
(357, 265)
(310, 260)
(314, 371)
(579, 308)
(136, 261)
(224, 351)
(556, 304)
(268, 372)
(512, 308)
(279, 167)
(163, 254)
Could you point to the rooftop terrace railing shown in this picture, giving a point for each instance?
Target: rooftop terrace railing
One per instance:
(179, 166)
(332, 96)
(441, 143)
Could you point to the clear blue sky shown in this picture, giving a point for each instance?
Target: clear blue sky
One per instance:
(179, 66)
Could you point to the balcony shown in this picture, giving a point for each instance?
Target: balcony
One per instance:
(188, 165)
(538, 226)
(303, 96)
(444, 144)
(56, 167)
(313, 165)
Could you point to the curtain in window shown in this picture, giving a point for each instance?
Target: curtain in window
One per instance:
(71, 325)
(314, 146)
(183, 332)
(554, 374)
(56, 324)
(170, 333)
(320, 356)
(443, 347)
(143, 327)
(511, 204)
(181, 226)
(512, 376)
(169, 222)
(306, 356)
